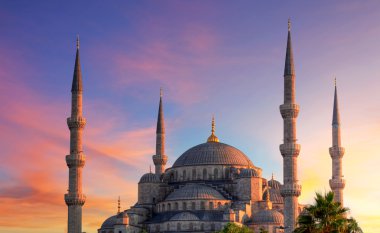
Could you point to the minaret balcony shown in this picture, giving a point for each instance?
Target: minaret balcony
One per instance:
(76, 122)
(336, 152)
(75, 199)
(290, 149)
(75, 160)
(160, 159)
(292, 189)
(289, 110)
(337, 183)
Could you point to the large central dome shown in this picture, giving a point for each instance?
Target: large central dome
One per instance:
(213, 153)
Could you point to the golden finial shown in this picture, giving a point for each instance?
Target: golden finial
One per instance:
(77, 41)
(150, 168)
(161, 92)
(272, 176)
(212, 137)
(335, 81)
(289, 24)
(118, 205)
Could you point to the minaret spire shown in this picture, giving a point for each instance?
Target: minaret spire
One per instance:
(75, 199)
(160, 159)
(337, 183)
(290, 149)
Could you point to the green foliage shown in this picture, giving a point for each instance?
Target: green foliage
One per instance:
(326, 216)
(233, 228)
(262, 230)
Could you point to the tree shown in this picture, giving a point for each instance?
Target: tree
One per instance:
(233, 228)
(326, 216)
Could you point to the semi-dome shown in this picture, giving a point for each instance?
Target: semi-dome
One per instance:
(149, 178)
(213, 153)
(184, 216)
(109, 222)
(274, 195)
(268, 217)
(194, 192)
(274, 184)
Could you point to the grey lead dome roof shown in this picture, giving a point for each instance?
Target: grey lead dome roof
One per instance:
(268, 217)
(109, 222)
(194, 192)
(149, 178)
(213, 153)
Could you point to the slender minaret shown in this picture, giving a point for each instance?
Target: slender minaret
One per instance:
(75, 160)
(337, 183)
(290, 149)
(160, 159)
(118, 205)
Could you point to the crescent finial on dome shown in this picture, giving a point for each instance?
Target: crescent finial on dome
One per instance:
(213, 137)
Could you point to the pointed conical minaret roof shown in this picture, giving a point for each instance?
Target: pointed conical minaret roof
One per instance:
(289, 61)
(77, 78)
(336, 117)
(160, 118)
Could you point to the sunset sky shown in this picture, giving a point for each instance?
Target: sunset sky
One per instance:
(210, 57)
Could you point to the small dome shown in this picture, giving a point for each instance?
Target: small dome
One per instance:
(184, 216)
(268, 217)
(274, 195)
(212, 153)
(248, 172)
(149, 178)
(274, 184)
(194, 192)
(109, 222)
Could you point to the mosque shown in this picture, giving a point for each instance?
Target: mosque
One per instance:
(210, 184)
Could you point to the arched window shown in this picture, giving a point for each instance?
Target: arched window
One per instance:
(178, 226)
(191, 226)
(163, 207)
(154, 200)
(176, 206)
(184, 206)
(171, 177)
(193, 205)
(219, 205)
(194, 174)
(227, 173)
(169, 206)
(203, 205)
(167, 226)
(205, 174)
(157, 228)
(202, 226)
(211, 205)
(216, 173)
(184, 175)
(176, 175)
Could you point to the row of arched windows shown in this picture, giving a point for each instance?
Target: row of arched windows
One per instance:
(186, 206)
(205, 175)
(179, 227)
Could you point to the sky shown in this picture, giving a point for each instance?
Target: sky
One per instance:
(210, 57)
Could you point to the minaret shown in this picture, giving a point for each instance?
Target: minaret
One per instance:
(75, 160)
(160, 159)
(290, 149)
(118, 205)
(337, 183)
